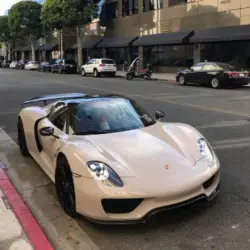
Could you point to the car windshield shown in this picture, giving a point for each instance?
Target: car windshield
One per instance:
(34, 62)
(107, 61)
(107, 116)
(226, 66)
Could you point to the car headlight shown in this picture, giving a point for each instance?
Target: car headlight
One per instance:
(102, 172)
(205, 150)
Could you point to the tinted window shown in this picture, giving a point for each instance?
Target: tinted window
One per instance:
(209, 66)
(225, 66)
(34, 62)
(108, 62)
(197, 66)
(58, 61)
(107, 116)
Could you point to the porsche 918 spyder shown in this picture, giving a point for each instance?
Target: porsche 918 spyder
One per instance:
(111, 161)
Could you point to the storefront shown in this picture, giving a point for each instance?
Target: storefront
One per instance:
(226, 44)
(120, 49)
(46, 51)
(168, 50)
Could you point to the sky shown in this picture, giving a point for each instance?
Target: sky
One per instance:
(6, 4)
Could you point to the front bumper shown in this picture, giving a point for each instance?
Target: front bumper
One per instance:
(90, 197)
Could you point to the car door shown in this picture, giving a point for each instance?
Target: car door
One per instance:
(89, 66)
(193, 75)
(208, 71)
(51, 144)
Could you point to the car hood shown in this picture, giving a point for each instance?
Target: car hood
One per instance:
(147, 153)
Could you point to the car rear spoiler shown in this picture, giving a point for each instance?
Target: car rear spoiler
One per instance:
(53, 97)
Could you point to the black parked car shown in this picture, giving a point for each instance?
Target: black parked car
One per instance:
(21, 64)
(45, 66)
(6, 64)
(213, 74)
(64, 66)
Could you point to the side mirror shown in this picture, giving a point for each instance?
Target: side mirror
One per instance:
(47, 131)
(159, 115)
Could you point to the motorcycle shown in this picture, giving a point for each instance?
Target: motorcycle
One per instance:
(131, 73)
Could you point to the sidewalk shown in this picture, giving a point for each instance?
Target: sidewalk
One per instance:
(18, 228)
(156, 76)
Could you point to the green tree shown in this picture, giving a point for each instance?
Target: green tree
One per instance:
(25, 21)
(5, 37)
(70, 13)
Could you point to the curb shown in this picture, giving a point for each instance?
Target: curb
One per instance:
(152, 79)
(29, 224)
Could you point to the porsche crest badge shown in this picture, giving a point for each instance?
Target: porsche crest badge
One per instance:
(166, 166)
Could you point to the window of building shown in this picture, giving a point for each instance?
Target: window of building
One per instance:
(109, 11)
(175, 55)
(129, 7)
(234, 53)
(149, 5)
(176, 2)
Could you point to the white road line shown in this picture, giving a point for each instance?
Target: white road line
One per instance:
(224, 124)
(33, 185)
(231, 143)
(186, 96)
(10, 112)
(241, 98)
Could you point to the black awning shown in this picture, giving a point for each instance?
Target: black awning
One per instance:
(88, 44)
(116, 42)
(229, 33)
(179, 37)
(47, 47)
(17, 50)
(25, 48)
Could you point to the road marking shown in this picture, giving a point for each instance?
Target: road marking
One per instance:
(10, 112)
(241, 98)
(218, 110)
(28, 178)
(186, 96)
(231, 143)
(225, 124)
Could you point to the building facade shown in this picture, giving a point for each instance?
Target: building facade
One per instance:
(172, 34)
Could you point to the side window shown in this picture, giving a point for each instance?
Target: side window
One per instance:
(197, 66)
(209, 66)
(90, 61)
(59, 120)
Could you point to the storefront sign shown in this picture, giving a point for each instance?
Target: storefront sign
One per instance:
(165, 26)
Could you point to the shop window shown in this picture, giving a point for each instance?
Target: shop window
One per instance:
(179, 55)
(176, 2)
(149, 5)
(129, 7)
(109, 11)
(234, 53)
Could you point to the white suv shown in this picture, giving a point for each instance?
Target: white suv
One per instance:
(102, 66)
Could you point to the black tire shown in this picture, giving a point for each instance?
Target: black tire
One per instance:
(129, 77)
(215, 83)
(21, 138)
(60, 71)
(65, 187)
(182, 80)
(96, 74)
(52, 71)
(83, 73)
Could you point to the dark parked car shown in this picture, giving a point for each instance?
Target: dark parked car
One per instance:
(213, 74)
(64, 66)
(45, 66)
(21, 64)
(6, 64)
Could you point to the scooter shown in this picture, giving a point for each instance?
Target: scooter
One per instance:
(131, 73)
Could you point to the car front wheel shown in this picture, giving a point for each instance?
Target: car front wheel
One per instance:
(21, 138)
(83, 72)
(215, 83)
(182, 80)
(65, 187)
(96, 74)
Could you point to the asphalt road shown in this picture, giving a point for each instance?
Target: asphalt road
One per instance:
(223, 116)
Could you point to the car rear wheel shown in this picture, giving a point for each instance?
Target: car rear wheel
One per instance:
(215, 83)
(21, 138)
(83, 72)
(182, 80)
(65, 187)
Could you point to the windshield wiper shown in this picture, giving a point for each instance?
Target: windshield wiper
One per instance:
(93, 132)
